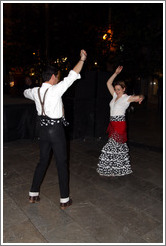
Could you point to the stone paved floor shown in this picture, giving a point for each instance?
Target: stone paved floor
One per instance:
(105, 210)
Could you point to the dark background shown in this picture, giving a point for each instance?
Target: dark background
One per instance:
(62, 29)
(35, 34)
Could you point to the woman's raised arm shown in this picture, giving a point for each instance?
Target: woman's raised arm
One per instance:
(111, 80)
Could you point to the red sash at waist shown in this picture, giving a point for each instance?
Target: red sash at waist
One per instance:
(117, 131)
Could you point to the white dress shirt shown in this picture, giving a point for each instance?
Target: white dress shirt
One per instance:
(53, 105)
(119, 107)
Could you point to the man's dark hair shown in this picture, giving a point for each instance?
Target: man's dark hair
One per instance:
(49, 71)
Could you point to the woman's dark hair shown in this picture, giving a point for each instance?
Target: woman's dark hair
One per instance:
(49, 71)
(121, 83)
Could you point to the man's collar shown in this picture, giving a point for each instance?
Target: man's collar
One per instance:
(46, 85)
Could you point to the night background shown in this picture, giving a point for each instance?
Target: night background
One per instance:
(128, 34)
(113, 210)
(55, 30)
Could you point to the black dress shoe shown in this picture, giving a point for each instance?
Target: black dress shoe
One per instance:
(34, 199)
(66, 204)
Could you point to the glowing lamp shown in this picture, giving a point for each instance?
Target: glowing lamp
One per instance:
(105, 36)
(12, 84)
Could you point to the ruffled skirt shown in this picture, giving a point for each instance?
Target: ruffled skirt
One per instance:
(114, 159)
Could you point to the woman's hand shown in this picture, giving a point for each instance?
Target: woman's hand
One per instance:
(118, 70)
(141, 98)
(138, 99)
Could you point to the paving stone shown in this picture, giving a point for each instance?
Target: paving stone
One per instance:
(137, 198)
(155, 235)
(141, 184)
(137, 221)
(102, 227)
(12, 214)
(155, 211)
(69, 231)
(105, 210)
(19, 194)
(51, 192)
(157, 193)
(55, 224)
(23, 232)
(11, 177)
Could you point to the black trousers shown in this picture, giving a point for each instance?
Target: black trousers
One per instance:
(52, 137)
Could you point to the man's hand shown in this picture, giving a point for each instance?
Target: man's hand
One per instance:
(79, 65)
(83, 55)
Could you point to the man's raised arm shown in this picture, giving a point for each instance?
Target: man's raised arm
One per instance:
(79, 65)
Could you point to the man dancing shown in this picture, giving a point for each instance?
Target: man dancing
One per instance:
(49, 106)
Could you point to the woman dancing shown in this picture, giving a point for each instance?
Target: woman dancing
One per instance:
(114, 158)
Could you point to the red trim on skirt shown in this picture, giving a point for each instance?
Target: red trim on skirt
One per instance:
(117, 131)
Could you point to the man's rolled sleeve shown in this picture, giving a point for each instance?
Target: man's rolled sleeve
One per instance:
(28, 93)
(74, 74)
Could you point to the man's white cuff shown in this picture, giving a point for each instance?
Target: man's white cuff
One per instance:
(64, 200)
